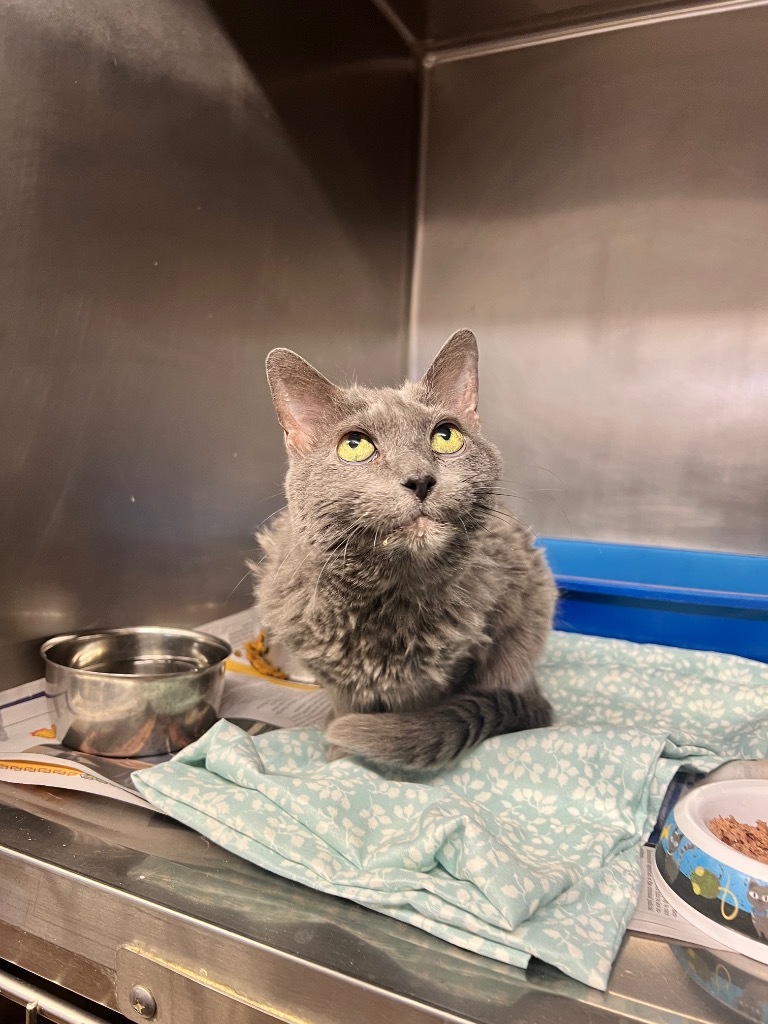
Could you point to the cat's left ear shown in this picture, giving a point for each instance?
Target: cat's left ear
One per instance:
(452, 377)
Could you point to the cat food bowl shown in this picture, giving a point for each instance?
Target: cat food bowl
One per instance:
(719, 889)
(133, 692)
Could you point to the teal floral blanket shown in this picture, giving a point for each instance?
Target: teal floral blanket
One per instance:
(529, 845)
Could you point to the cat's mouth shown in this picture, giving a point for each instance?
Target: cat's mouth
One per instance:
(420, 527)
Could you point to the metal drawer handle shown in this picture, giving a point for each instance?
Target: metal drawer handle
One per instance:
(36, 1001)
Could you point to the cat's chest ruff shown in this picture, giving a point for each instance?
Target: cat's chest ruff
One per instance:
(384, 650)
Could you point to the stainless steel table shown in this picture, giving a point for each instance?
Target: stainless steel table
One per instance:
(141, 915)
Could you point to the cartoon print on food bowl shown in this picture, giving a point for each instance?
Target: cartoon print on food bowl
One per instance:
(702, 877)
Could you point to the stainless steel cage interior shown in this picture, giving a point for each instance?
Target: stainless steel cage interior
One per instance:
(188, 185)
(185, 186)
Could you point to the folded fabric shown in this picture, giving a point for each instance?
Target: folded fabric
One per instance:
(529, 845)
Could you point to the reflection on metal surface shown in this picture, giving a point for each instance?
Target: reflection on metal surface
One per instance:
(171, 993)
(543, 34)
(134, 692)
(722, 977)
(100, 920)
(252, 931)
(184, 186)
(440, 25)
(132, 878)
(597, 211)
(36, 1002)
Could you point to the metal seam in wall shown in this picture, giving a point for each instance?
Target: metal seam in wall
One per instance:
(414, 45)
(418, 213)
(598, 27)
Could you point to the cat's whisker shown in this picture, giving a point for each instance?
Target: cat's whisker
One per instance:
(252, 565)
(508, 517)
(463, 524)
(492, 506)
(240, 582)
(293, 577)
(269, 497)
(476, 523)
(348, 532)
(565, 515)
(264, 521)
(288, 555)
(500, 513)
(512, 494)
(550, 471)
(356, 531)
(317, 584)
(530, 490)
(548, 492)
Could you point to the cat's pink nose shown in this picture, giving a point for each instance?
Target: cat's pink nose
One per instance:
(420, 485)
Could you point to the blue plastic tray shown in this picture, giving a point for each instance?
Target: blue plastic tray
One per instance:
(699, 600)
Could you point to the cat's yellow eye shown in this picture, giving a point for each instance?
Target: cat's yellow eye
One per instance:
(355, 447)
(447, 439)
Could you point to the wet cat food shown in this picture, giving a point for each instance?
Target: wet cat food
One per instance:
(751, 840)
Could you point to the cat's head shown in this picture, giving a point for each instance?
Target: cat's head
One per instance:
(404, 469)
(757, 894)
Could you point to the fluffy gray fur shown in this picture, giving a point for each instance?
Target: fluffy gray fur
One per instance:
(422, 614)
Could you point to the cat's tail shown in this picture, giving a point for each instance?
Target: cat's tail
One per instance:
(435, 736)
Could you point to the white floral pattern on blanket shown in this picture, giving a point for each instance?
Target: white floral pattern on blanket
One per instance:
(527, 846)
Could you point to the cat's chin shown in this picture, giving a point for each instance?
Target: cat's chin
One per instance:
(422, 534)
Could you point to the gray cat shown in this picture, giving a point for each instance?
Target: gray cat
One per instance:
(757, 895)
(393, 573)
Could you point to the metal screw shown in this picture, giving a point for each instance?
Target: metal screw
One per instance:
(143, 1002)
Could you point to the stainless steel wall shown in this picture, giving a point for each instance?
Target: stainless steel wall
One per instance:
(182, 187)
(185, 185)
(596, 209)
(444, 24)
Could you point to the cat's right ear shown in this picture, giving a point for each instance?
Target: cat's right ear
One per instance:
(304, 399)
